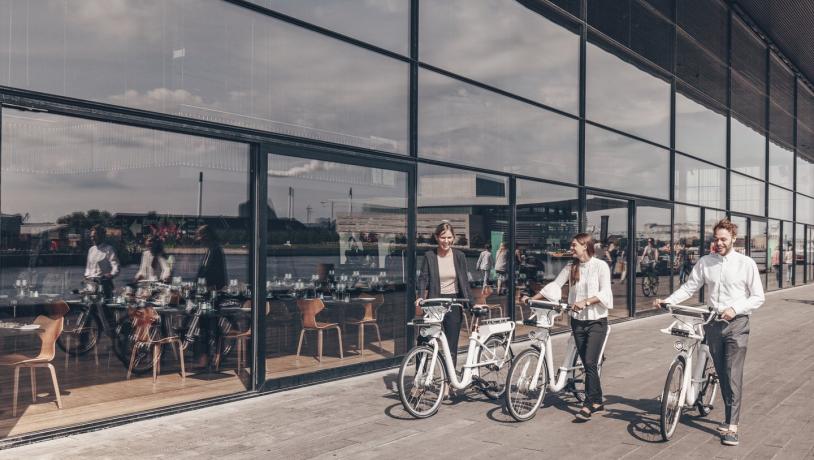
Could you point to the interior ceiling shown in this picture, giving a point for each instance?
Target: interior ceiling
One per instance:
(788, 23)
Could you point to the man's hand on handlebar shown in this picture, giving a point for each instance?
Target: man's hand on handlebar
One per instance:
(657, 303)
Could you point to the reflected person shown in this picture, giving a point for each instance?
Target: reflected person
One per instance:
(154, 264)
(213, 264)
(102, 262)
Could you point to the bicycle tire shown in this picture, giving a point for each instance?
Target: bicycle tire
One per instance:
(493, 376)
(709, 388)
(77, 339)
(517, 384)
(576, 378)
(123, 347)
(408, 391)
(670, 412)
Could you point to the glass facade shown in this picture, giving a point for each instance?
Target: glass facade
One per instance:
(251, 190)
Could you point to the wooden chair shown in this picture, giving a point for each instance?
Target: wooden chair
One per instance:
(309, 309)
(51, 326)
(480, 299)
(241, 339)
(278, 316)
(369, 319)
(145, 319)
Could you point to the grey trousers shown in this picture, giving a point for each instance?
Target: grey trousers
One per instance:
(727, 345)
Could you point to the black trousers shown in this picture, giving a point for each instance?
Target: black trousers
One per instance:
(589, 337)
(452, 328)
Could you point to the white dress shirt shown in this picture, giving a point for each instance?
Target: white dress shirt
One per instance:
(147, 271)
(594, 281)
(102, 261)
(732, 280)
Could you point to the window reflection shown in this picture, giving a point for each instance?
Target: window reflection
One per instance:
(461, 123)
(217, 62)
(776, 251)
(762, 245)
(805, 170)
(336, 264)
(699, 183)
(617, 162)
(781, 204)
(137, 242)
(781, 165)
(799, 254)
(747, 195)
(700, 129)
(546, 222)
(476, 205)
(469, 38)
(748, 149)
(688, 247)
(700, 68)
(624, 96)
(805, 209)
(654, 254)
(606, 220)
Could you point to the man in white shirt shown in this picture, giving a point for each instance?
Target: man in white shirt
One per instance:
(102, 262)
(735, 290)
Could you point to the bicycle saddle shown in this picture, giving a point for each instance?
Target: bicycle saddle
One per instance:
(479, 310)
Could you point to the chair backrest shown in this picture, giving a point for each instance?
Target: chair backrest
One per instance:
(309, 309)
(50, 329)
(143, 320)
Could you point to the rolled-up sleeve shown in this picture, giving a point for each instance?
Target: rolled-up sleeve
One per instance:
(605, 294)
(756, 297)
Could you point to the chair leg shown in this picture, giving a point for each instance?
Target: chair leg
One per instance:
(67, 347)
(15, 391)
(319, 345)
(156, 361)
(181, 358)
(132, 360)
(361, 338)
(299, 346)
(378, 335)
(56, 385)
(339, 335)
(239, 354)
(33, 384)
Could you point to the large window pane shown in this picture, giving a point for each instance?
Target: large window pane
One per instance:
(700, 68)
(788, 253)
(747, 195)
(805, 175)
(337, 235)
(79, 195)
(470, 39)
(546, 223)
(476, 205)
(212, 61)
(700, 129)
(781, 165)
(706, 21)
(758, 245)
(617, 162)
(624, 96)
(748, 54)
(799, 254)
(383, 23)
(781, 203)
(748, 149)
(635, 25)
(653, 253)
(699, 183)
(461, 123)
(606, 220)
(687, 244)
(805, 209)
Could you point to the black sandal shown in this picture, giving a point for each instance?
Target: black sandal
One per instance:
(584, 414)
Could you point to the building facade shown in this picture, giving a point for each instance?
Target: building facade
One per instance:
(323, 141)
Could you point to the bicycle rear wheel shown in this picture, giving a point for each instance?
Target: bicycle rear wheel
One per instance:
(421, 392)
(709, 388)
(523, 398)
(493, 376)
(670, 400)
(81, 332)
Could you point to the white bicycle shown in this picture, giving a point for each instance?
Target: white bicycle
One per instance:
(532, 370)
(685, 390)
(423, 377)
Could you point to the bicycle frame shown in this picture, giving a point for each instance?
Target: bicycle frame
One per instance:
(477, 342)
(694, 353)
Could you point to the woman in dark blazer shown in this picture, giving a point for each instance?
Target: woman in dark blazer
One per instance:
(444, 274)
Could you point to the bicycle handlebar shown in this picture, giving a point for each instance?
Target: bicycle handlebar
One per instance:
(441, 301)
(557, 306)
(698, 312)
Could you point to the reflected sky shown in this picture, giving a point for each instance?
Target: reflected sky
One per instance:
(781, 166)
(747, 195)
(805, 209)
(214, 61)
(442, 186)
(622, 96)
(54, 165)
(503, 44)
(699, 183)
(748, 150)
(617, 162)
(781, 205)
(805, 171)
(530, 192)
(462, 123)
(700, 131)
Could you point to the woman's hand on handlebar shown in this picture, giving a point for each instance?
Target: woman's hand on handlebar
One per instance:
(418, 302)
(525, 300)
(579, 305)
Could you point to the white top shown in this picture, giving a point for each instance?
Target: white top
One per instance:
(484, 260)
(102, 260)
(732, 281)
(446, 274)
(146, 270)
(594, 281)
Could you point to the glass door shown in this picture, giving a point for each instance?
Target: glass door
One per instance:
(654, 253)
(607, 219)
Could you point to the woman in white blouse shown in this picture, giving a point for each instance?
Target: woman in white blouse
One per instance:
(154, 264)
(589, 291)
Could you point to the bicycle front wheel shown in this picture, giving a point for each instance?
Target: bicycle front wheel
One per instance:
(493, 376)
(523, 397)
(670, 400)
(709, 388)
(421, 389)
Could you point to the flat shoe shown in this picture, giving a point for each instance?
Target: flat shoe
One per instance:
(584, 414)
